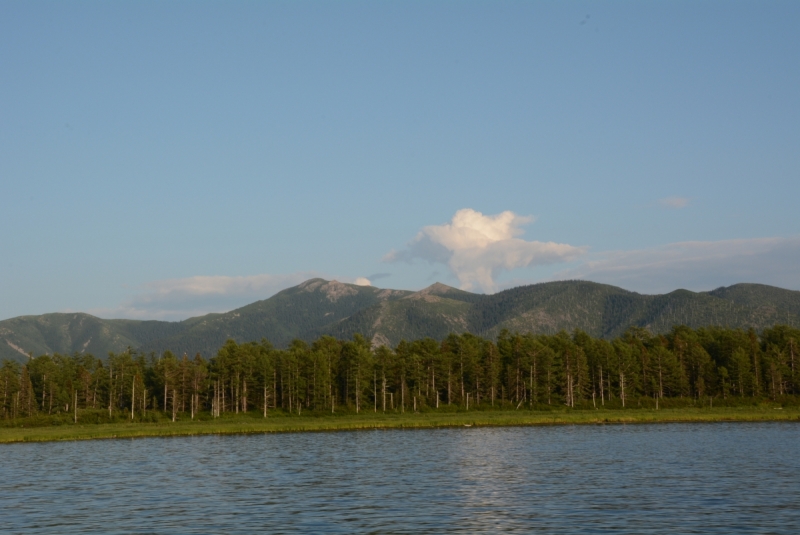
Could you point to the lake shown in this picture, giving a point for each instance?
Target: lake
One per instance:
(676, 478)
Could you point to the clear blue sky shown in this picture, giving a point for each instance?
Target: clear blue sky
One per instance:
(161, 159)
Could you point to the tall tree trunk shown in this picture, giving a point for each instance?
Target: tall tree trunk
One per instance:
(433, 384)
(448, 387)
(461, 363)
(110, 390)
(532, 391)
(602, 395)
(791, 357)
(403, 394)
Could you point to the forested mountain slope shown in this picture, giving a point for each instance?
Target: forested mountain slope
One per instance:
(607, 311)
(298, 312)
(60, 332)
(598, 309)
(434, 312)
(769, 299)
(317, 307)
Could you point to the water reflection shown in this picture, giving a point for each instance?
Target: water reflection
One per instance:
(635, 479)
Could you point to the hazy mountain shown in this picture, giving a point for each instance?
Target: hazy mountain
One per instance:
(318, 307)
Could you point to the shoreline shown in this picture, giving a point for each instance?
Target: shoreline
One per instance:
(350, 422)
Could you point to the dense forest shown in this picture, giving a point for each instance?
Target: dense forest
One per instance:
(461, 372)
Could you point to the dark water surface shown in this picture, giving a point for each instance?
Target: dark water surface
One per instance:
(677, 478)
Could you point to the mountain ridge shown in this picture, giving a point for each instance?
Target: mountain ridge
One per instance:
(320, 307)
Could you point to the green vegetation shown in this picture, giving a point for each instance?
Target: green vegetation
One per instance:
(242, 424)
(516, 379)
(300, 312)
(317, 307)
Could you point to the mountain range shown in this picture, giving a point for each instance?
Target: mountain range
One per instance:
(319, 307)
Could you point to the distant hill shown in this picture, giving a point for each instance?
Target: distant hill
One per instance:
(599, 309)
(318, 307)
(298, 312)
(435, 311)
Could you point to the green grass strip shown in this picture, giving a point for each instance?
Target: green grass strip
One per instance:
(231, 425)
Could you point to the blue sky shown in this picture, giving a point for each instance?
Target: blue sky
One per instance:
(166, 159)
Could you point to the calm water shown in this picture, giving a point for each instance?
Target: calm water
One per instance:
(682, 478)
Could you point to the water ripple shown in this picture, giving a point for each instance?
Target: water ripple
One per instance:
(681, 478)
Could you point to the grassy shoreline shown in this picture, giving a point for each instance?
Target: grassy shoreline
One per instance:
(349, 422)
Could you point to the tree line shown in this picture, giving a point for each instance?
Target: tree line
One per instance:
(462, 372)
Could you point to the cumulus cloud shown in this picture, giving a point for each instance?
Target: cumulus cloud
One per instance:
(676, 203)
(476, 247)
(362, 281)
(696, 265)
(177, 299)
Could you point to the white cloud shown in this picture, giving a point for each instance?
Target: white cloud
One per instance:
(477, 247)
(675, 203)
(177, 299)
(696, 265)
(362, 281)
